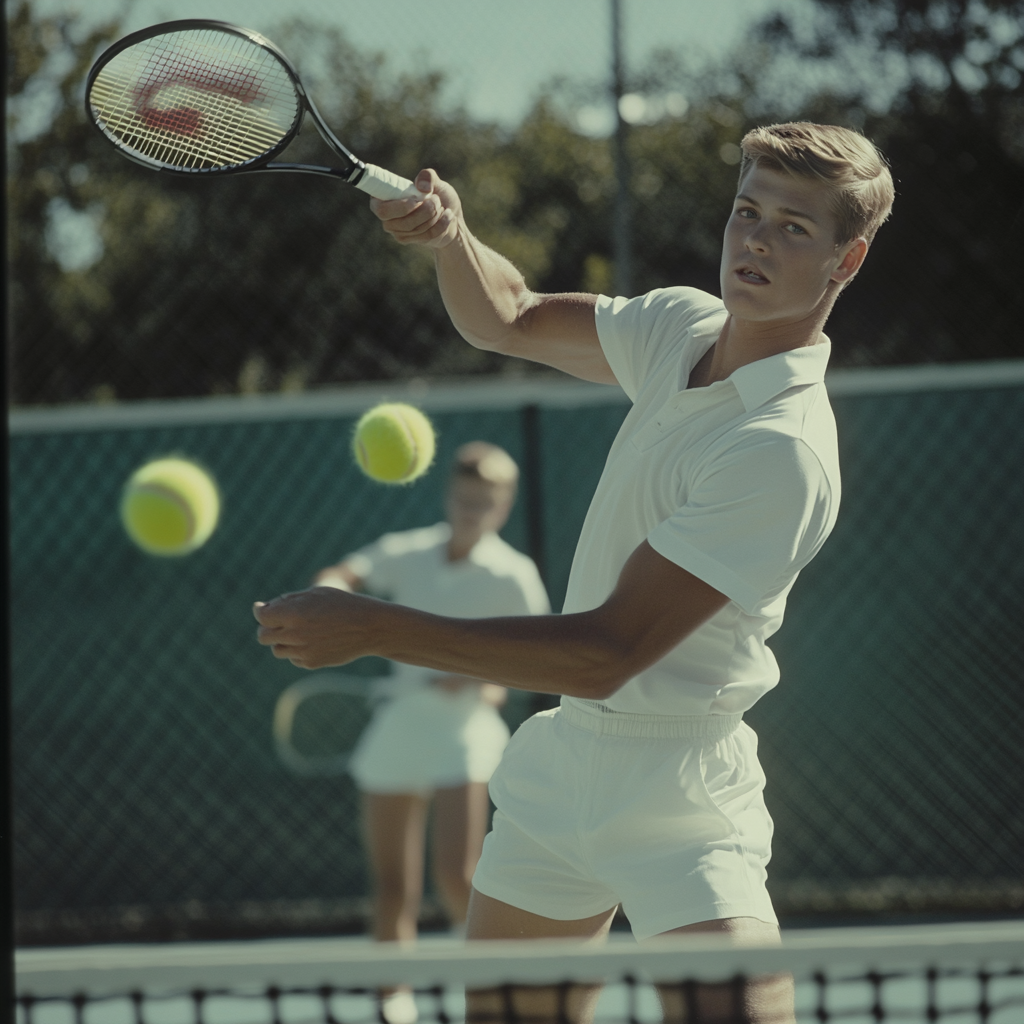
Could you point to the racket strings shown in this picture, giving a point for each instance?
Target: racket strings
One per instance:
(195, 100)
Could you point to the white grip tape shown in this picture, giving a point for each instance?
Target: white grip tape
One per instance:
(383, 184)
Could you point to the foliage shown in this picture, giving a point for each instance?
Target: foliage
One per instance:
(285, 282)
(937, 84)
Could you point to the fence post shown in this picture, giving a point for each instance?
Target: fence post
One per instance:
(622, 244)
(533, 497)
(533, 490)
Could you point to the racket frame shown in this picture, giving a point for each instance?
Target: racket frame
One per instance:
(352, 170)
(288, 703)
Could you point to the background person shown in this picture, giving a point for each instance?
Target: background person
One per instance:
(439, 736)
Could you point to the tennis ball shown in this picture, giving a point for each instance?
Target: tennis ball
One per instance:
(170, 506)
(394, 443)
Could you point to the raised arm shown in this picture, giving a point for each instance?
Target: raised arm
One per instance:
(486, 296)
(655, 605)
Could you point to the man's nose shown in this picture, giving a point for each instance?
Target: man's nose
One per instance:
(757, 240)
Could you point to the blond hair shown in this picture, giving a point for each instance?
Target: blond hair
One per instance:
(481, 460)
(856, 173)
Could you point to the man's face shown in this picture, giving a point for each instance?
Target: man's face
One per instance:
(779, 254)
(476, 507)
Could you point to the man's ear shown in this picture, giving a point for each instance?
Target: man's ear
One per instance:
(851, 261)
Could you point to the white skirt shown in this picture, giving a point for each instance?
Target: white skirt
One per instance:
(429, 739)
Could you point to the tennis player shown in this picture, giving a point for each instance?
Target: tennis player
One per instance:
(437, 737)
(643, 788)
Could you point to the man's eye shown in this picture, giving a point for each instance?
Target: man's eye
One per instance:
(747, 213)
(795, 229)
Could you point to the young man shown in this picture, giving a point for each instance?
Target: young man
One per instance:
(438, 737)
(643, 789)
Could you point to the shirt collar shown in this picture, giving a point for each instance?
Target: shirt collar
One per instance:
(701, 336)
(759, 382)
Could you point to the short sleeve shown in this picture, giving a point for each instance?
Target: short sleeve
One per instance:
(639, 335)
(754, 517)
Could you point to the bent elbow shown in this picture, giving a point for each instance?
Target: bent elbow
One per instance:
(609, 679)
(604, 690)
(498, 343)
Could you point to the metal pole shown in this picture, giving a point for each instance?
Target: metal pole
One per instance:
(622, 246)
(533, 487)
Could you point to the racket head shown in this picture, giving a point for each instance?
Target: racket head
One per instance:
(196, 97)
(318, 720)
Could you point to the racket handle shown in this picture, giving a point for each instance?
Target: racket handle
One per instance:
(383, 184)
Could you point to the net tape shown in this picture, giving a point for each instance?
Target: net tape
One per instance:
(956, 973)
(195, 100)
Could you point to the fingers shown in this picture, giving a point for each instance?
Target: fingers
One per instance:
(427, 180)
(412, 221)
(431, 220)
(298, 656)
(272, 619)
(277, 639)
(310, 628)
(267, 613)
(285, 652)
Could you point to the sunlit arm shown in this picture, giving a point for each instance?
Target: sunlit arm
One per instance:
(486, 297)
(655, 605)
(492, 308)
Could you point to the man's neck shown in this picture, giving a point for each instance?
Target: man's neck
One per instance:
(746, 341)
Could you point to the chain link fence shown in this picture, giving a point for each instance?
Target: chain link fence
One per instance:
(149, 800)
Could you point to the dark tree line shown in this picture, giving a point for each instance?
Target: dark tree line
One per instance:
(943, 283)
(274, 282)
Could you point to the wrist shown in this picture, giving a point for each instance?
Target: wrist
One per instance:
(369, 618)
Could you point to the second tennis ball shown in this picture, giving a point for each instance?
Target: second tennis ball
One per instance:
(394, 443)
(170, 506)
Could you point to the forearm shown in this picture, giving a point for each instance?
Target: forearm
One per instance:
(560, 654)
(487, 298)
(485, 295)
(654, 606)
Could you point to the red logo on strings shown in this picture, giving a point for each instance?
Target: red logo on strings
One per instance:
(232, 83)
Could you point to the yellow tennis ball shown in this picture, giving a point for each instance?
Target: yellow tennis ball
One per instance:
(394, 443)
(170, 506)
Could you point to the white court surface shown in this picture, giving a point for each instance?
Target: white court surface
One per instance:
(899, 955)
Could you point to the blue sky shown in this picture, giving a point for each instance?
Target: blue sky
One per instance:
(496, 54)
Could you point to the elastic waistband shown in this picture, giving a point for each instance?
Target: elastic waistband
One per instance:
(662, 727)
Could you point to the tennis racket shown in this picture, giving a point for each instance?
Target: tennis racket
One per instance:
(202, 97)
(318, 720)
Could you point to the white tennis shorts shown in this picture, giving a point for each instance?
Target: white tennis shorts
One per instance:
(663, 815)
(429, 739)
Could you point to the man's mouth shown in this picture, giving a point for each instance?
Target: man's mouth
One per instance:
(752, 276)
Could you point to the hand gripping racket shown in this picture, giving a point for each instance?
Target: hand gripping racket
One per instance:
(203, 97)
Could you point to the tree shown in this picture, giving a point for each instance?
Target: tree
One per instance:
(937, 85)
(249, 282)
(285, 282)
(46, 61)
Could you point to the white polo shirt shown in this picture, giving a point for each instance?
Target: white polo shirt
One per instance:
(737, 482)
(412, 568)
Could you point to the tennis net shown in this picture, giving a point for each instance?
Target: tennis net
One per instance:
(956, 974)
